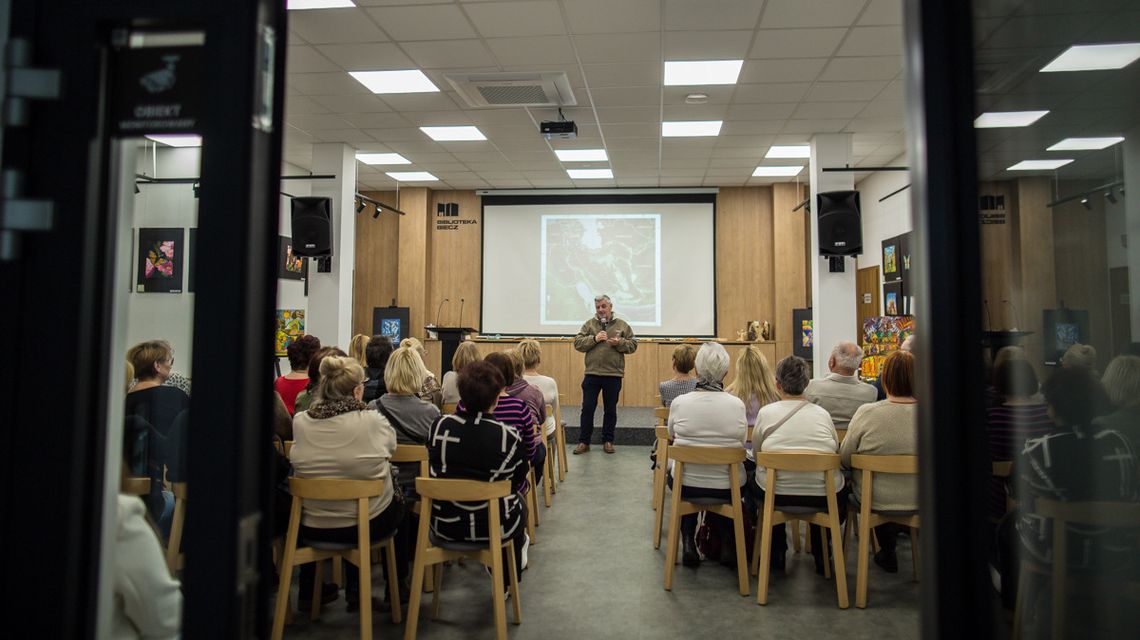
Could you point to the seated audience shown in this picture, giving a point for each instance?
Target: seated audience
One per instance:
(531, 354)
(376, 356)
(1122, 383)
(471, 445)
(683, 380)
(1018, 418)
(305, 398)
(708, 417)
(431, 390)
(356, 350)
(887, 428)
(465, 354)
(525, 391)
(755, 385)
(340, 437)
(408, 414)
(841, 392)
(794, 424)
(907, 344)
(300, 352)
(1080, 356)
(147, 601)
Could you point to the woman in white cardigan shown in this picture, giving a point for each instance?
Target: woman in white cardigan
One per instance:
(795, 424)
(148, 601)
(708, 417)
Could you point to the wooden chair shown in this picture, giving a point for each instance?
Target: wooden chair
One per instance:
(283, 447)
(448, 408)
(415, 453)
(662, 434)
(431, 552)
(870, 518)
(560, 439)
(359, 554)
(662, 416)
(773, 463)
(135, 486)
(174, 557)
(732, 457)
(547, 469)
(1115, 515)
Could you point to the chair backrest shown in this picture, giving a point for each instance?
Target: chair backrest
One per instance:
(706, 455)
(136, 486)
(885, 464)
(661, 432)
(410, 453)
(179, 489)
(1091, 514)
(662, 415)
(797, 460)
(448, 408)
(334, 488)
(462, 490)
(1002, 468)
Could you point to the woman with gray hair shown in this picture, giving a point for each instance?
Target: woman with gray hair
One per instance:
(708, 417)
(795, 424)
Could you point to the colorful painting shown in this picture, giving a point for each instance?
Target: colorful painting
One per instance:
(290, 326)
(893, 298)
(1067, 334)
(159, 261)
(290, 266)
(890, 263)
(390, 327)
(806, 335)
(881, 336)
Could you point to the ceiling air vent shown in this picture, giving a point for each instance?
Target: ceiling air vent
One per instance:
(529, 89)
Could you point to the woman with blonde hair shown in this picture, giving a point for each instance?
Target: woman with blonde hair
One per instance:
(410, 415)
(340, 437)
(531, 354)
(754, 384)
(431, 389)
(465, 354)
(356, 348)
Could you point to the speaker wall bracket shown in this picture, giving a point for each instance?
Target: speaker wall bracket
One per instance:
(836, 264)
(324, 264)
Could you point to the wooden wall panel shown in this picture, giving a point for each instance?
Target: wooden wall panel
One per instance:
(1082, 267)
(412, 290)
(998, 264)
(1035, 276)
(454, 268)
(789, 261)
(744, 243)
(867, 281)
(377, 262)
(640, 383)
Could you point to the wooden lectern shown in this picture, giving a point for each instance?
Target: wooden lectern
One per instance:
(449, 339)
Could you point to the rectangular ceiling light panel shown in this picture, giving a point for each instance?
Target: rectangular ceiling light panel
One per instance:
(1040, 165)
(1095, 57)
(789, 151)
(691, 128)
(401, 81)
(177, 139)
(581, 155)
(319, 4)
(446, 134)
(770, 172)
(411, 176)
(382, 158)
(699, 72)
(1085, 144)
(1000, 119)
(590, 174)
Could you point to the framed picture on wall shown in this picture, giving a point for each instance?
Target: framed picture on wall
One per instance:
(290, 326)
(893, 302)
(892, 259)
(160, 260)
(290, 266)
(391, 322)
(904, 254)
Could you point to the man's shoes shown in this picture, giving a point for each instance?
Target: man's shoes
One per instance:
(608, 447)
(888, 560)
(689, 557)
(329, 592)
(581, 448)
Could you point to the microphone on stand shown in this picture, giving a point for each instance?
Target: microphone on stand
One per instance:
(461, 312)
(441, 303)
(1014, 309)
(989, 319)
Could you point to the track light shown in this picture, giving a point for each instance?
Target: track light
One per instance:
(137, 189)
(196, 187)
(359, 206)
(376, 212)
(1110, 196)
(1085, 204)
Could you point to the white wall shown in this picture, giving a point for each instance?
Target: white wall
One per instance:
(887, 219)
(291, 293)
(1114, 221)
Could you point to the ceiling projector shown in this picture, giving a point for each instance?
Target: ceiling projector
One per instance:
(564, 129)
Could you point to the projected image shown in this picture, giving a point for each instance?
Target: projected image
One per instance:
(615, 254)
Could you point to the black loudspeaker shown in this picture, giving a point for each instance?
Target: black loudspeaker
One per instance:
(840, 224)
(312, 227)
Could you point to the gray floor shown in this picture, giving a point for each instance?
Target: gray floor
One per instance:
(594, 574)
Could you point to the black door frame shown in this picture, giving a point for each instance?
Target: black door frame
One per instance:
(58, 326)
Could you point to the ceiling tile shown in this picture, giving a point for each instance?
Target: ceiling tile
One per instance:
(636, 182)
(761, 111)
(366, 56)
(623, 74)
(617, 115)
(613, 16)
(626, 96)
(820, 110)
(869, 68)
(367, 103)
(396, 135)
(335, 25)
(885, 109)
(779, 14)
(875, 125)
(751, 127)
(498, 132)
(306, 59)
(299, 105)
(707, 45)
(631, 130)
(845, 91)
(785, 70)
(873, 41)
(882, 12)
(683, 15)
(532, 50)
(635, 144)
(449, 54)
(695, 112)
(513, 115)
(329, 84)
(376, 120)
(347, 136)
(815, 126)
(717, 94)
(742, 143)
(626, 47)
(424, 22)
(508, 19)
(316, 122)
(412, 102)
(775, 92)
(796, 43)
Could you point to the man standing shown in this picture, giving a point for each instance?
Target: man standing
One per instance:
(841, 392)
(605, 340)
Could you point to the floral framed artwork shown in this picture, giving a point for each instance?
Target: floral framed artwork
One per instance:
(892, 259)
(160, 260)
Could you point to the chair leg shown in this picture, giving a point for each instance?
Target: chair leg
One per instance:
(674, 534)
(861, 564)
(338, 572)
(497, 595)
(914, 551)
(547, 480)
(1019, 604)
(659, 516)
(437, 576)
(765, 553)
(365, 571)
(840, 565)
(282, 604)
(414, 599)
(318, 588)
(532, 517)
(756, 545)
(741, 554)
(658, 478)
(807, 535)
(393, 581)
(512, 566)
(825, 551)
(560, 439)
(797, 544)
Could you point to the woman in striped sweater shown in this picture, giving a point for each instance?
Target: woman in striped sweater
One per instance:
(1018, 418)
